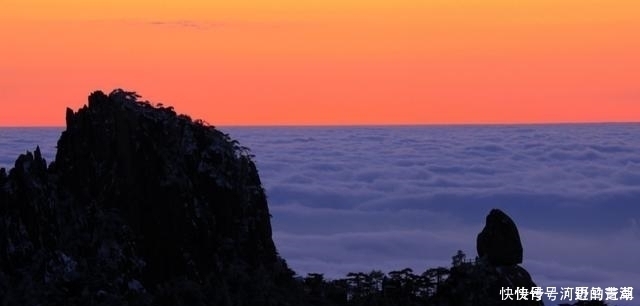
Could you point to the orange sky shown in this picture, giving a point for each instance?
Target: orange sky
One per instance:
(327, 62)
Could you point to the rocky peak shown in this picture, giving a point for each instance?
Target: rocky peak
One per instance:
(141, 206)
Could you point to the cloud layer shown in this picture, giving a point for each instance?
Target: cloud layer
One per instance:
(17, 140)
(360, 198)
(356, 199)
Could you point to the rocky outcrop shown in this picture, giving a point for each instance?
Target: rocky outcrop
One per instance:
(141, 206)
(499, 242)
(487, 281)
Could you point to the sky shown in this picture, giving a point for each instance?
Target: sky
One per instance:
(329, 62)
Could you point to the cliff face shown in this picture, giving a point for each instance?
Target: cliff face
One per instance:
(141, 206)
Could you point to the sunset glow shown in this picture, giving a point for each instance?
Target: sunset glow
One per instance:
(327, 62)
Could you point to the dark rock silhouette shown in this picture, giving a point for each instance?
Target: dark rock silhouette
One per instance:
(499, 242)
(143, 206)
(496, 272)
(466, 283)
(140, 207)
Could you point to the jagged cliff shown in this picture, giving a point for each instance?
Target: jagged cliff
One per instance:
(140, 207)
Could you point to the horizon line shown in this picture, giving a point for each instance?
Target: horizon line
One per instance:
(381, 124)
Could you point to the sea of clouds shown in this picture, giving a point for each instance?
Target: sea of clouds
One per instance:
(347, 199)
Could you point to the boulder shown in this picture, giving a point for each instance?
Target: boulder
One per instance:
(488, 280)
(499, 241)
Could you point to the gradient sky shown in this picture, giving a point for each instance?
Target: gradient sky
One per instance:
(327, 62)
